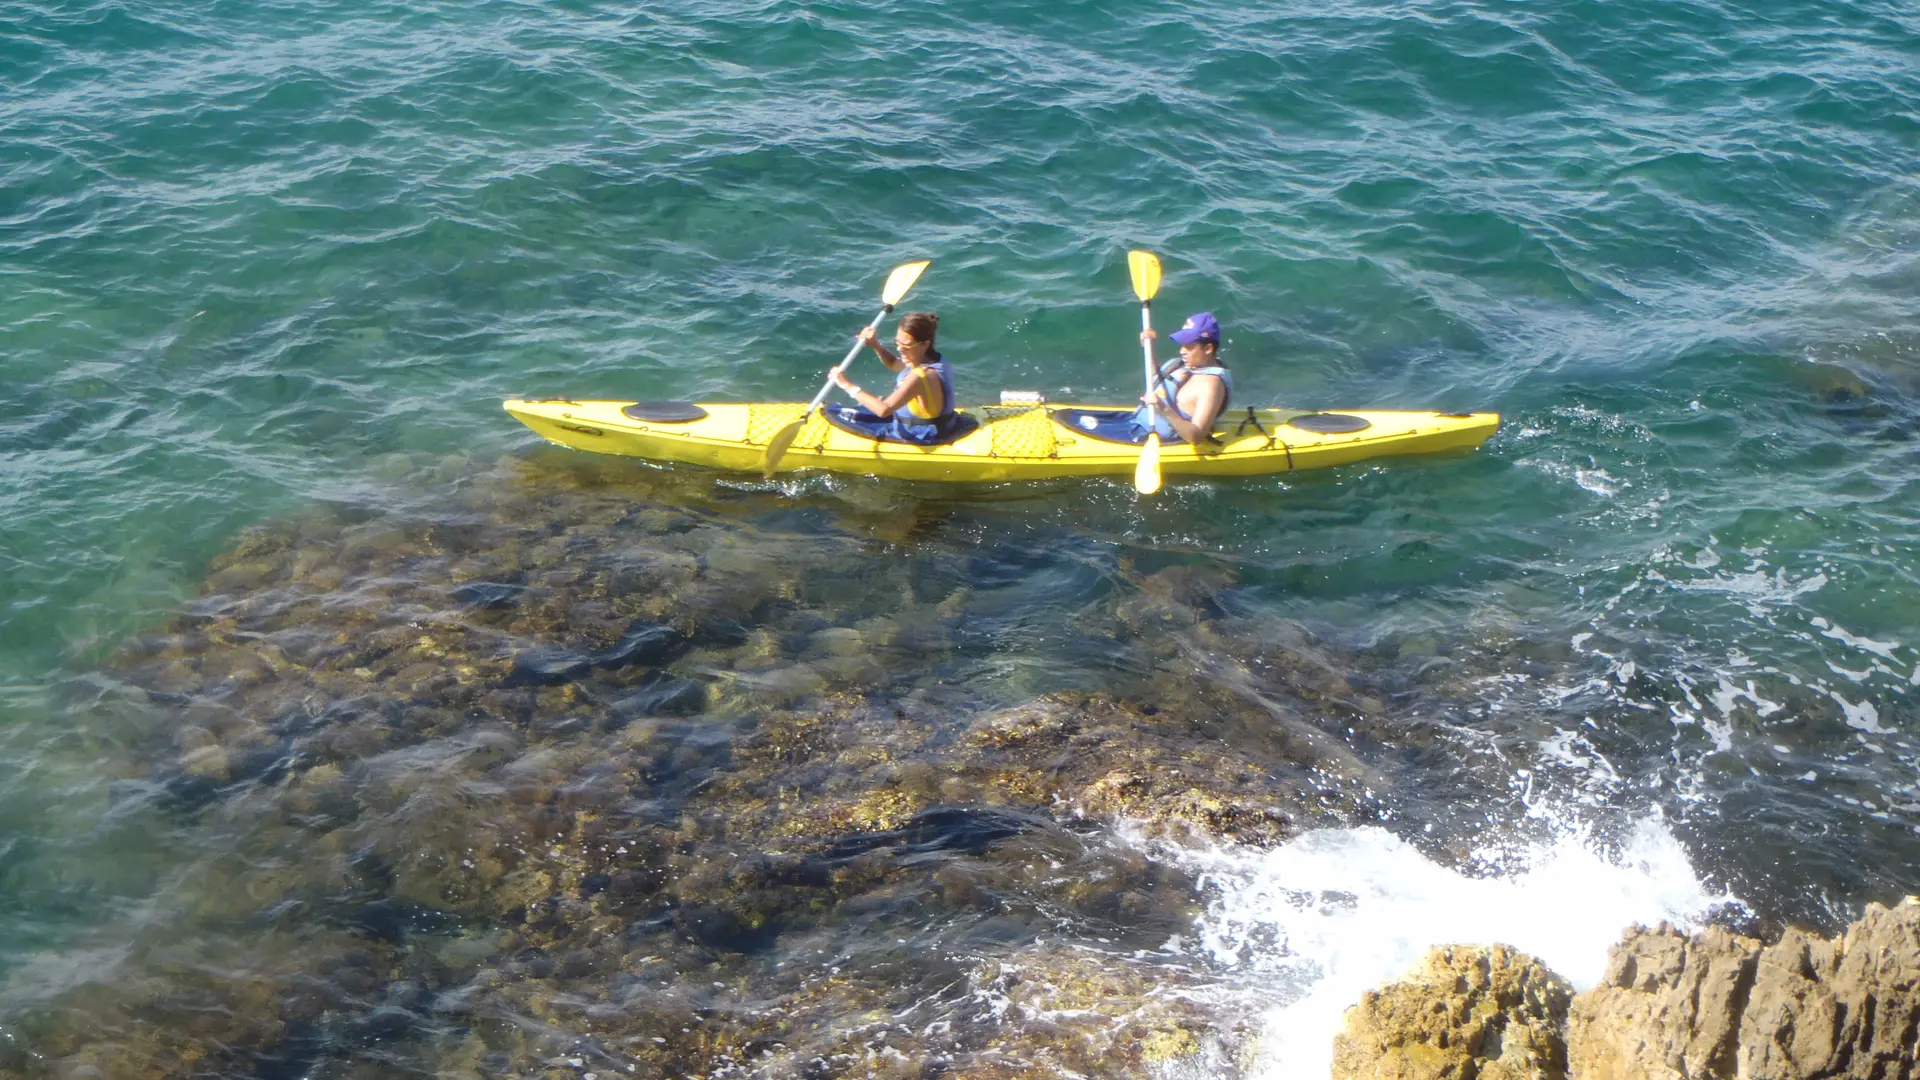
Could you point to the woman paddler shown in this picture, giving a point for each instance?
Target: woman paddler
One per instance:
(921, 404)
(1200, 388)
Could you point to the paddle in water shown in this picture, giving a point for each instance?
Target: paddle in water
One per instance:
(898, 283)
(1145, 268)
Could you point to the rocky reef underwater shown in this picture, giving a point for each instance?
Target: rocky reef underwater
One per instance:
(577, 770)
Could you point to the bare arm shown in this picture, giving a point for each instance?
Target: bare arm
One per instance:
(897, 400)
(875, 404)
(887, 356)
(1212, 393)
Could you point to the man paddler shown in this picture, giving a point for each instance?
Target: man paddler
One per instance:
(1187, 401)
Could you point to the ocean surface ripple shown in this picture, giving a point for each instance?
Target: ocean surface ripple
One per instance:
(269, 260)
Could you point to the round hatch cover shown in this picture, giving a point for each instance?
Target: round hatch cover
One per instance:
(1330, 423)
(665, 412)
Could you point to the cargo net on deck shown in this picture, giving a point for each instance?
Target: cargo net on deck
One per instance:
(1020, 431)
(766, 419)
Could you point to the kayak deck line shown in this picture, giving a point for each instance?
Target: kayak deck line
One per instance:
(1011, 441)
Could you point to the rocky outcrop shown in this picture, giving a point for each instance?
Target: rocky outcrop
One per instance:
(1720, 1005)
(1708, 1006)
(1669, 1005)
(1468, 1013)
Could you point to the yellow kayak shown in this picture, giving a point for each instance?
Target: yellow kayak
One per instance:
(1016, 441)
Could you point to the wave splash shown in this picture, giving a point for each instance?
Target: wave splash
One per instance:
(1305, 928)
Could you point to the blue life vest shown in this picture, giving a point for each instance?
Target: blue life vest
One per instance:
(910, 426)
(1147, 420)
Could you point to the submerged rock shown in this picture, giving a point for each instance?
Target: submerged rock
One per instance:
(566, 779)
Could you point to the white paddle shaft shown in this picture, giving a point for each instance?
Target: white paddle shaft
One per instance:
(1146, 344)
(851, 353)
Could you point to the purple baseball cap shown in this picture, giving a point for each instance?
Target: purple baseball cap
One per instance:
(1201, 327)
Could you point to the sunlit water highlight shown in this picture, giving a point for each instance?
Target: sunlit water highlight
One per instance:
(259, 259)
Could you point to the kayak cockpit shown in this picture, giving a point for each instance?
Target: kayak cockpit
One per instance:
(881, 429)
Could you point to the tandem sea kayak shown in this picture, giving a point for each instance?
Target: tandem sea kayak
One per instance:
(1016, 440)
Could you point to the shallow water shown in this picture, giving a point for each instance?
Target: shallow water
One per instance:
(271, 267)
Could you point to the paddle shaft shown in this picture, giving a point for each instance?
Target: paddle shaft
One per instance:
(851, 353)
(1146, 350)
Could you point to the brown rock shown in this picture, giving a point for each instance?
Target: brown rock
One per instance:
(1100, 1016)
(1877, 992)
(1668, 1006)
(208, 762)
(1791, 1025)
(1722, 1006)
(1468, 1012)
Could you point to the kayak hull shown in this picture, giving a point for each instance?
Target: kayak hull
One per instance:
(1012, 442)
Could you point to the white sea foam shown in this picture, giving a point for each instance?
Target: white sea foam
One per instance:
(1878, 648)
(1305, 928)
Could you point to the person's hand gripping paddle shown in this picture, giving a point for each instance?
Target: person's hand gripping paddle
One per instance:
(898, 283)
(1145, 268)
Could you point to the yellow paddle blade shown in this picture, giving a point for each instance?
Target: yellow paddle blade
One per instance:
(777, 446)
(1145, 268)
(1146, 475)
(901, 280)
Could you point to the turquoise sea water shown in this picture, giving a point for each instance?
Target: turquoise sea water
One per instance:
(258, 259)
